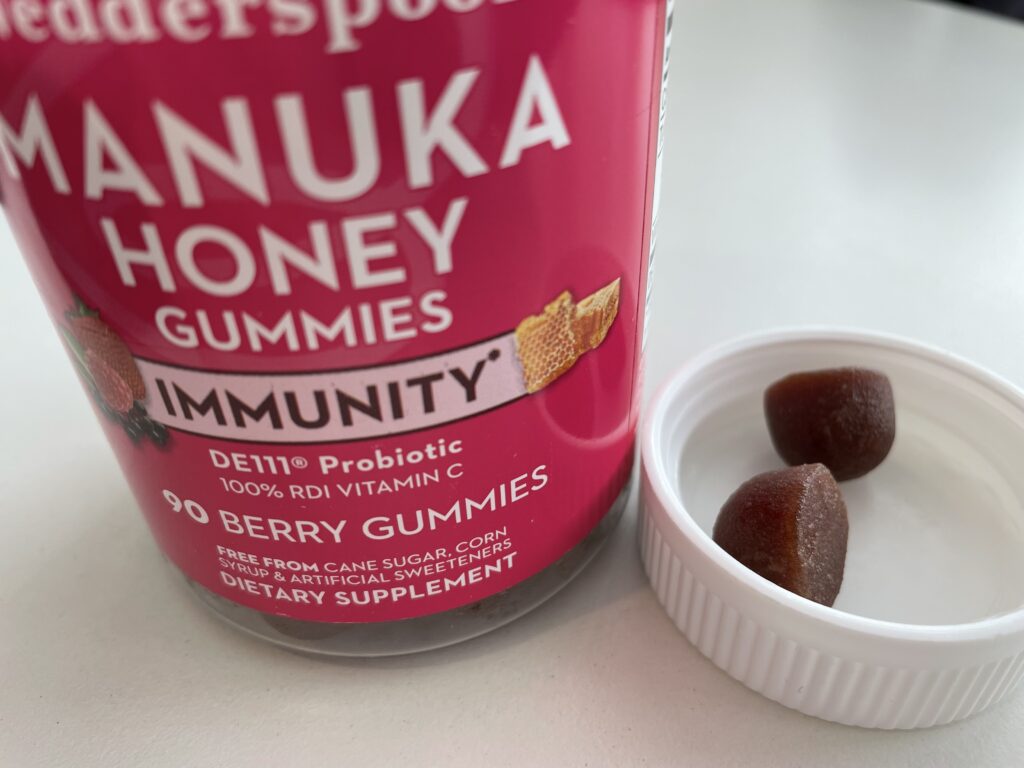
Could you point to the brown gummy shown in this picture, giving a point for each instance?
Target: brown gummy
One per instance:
(789, 526)
(844, 418)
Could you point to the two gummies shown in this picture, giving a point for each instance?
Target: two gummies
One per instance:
(790, 525)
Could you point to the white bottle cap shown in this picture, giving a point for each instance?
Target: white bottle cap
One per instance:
(928, 627)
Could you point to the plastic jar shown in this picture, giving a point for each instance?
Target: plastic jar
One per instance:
(357, 288)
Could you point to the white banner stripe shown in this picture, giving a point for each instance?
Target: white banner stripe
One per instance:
(336, 405)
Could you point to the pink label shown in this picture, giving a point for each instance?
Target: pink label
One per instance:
(357, 286)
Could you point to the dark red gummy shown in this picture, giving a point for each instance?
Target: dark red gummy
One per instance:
(790, 527)
(302, 630)
(843, 418)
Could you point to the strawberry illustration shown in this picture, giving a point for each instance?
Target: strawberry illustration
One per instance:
(97, 337)
(114, 390)
(110, 373)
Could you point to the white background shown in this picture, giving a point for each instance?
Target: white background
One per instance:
(854, 162)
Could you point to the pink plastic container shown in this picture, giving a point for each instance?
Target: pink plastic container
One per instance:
(357, 287)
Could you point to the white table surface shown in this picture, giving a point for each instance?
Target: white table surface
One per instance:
(855, 162)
